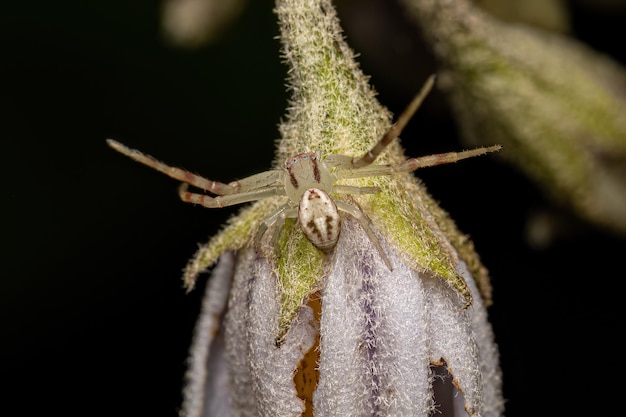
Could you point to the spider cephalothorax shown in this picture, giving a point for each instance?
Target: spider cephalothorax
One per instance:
(311, 183)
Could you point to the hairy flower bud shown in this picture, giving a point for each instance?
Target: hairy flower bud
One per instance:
(556, 106)
(290, 330)
(379, 338)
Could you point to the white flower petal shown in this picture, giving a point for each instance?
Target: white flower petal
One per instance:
(381, 332)
(206, 376)
(464, 341)
(261, 372)
(493, 403)
(373, 354)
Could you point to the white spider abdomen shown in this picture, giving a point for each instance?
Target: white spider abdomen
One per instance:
(319, 219)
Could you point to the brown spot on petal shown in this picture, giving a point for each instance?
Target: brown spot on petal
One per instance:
(307, 373)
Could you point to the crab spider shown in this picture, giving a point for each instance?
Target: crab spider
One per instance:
(309, 180)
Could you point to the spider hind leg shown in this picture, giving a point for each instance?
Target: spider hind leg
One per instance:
(276, 218)
(364, 221)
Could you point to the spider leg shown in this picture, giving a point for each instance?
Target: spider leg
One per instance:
(412, 164)
(257, 181)
(364, 221)
(219, 188)
(279, 215)
(395, 130)
(350, 189)
(443, 158)
(227, 200)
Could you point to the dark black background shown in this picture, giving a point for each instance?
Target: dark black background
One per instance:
(94, 317)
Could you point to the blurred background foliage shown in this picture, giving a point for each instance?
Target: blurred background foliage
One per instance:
(94, 317)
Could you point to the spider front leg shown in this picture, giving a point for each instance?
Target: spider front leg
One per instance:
(229, 199)
(354, 189)
(412, 164)
(215, 187)
(442, 158)
(252, 182)
(346, 162)
(396, 129)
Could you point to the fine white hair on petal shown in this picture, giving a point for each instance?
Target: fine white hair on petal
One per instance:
(373, 345)
(206, 389)
(464, 341)
(453, 341)
(262, 373)
(493, 402)
(381, 331)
